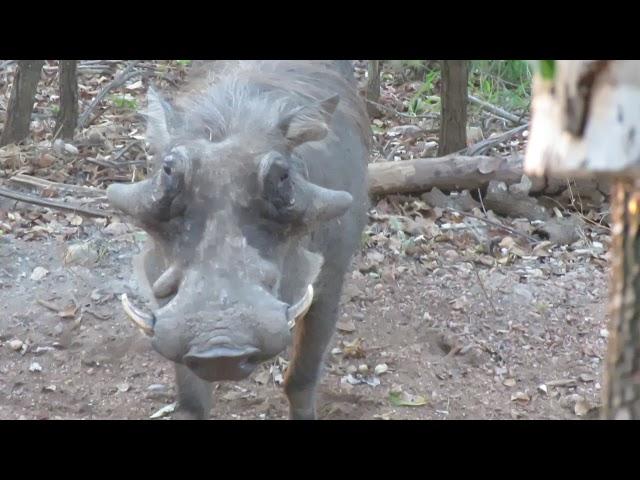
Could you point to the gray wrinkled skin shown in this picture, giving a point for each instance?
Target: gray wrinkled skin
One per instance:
(258, 189)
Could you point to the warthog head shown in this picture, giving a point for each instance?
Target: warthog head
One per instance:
(227, 205)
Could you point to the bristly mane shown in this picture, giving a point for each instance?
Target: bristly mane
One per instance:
(226, 98)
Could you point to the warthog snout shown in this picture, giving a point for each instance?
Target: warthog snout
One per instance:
(222, 363)
(228, 348)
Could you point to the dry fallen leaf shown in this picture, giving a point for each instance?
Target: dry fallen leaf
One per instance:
(542, 249)
(520, 397)
(353, 349)
(69, 312)
(582, 407)
(509, 382)
(45, 160)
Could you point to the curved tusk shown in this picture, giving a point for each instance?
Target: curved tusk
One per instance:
(144, 321)
(300, 309)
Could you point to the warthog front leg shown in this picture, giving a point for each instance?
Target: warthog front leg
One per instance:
(194, 396)
(312, 336)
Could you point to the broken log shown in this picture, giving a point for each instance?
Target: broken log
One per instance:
(452, 172)
(460, 172)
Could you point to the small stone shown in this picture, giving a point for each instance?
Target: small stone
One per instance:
(15, 345)
(123, 387)
(380, 368)
(71, 149)
(352, 369)
(157, 388)
(39, 273)
(363, 368)
(35, 367)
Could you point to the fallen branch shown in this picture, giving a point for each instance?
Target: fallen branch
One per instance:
(485, 145)
(495, 110)
(24, 197)
(452, 172)
(64, 187)
(126, 74)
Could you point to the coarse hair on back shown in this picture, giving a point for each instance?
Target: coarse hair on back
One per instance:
(225, 98)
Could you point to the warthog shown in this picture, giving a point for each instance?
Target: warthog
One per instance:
(254, 206)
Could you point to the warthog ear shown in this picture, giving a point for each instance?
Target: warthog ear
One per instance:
(308, 123)
(158, 114)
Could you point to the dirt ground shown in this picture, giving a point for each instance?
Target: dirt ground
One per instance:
(459, 339)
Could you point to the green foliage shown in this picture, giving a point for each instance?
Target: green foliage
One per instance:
(505, 83)
(547, 68)
(124, 102)
(184, 63)
(424, 100)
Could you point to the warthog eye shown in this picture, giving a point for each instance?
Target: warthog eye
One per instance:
(167, 169)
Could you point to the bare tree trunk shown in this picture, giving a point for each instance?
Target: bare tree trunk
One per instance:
(453, 126)
(373, 86)
(585, 113)
(67, 119)
(622, 373)
(23, 91)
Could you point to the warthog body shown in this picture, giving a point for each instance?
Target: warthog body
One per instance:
(254, 207)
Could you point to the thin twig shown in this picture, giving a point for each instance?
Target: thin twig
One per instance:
(495, 224)
(110, 164)
(401, 114)
(495, 311)
(126, 74)
(24, 197)
(124, 150)
(495, 110)
(484, 210)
